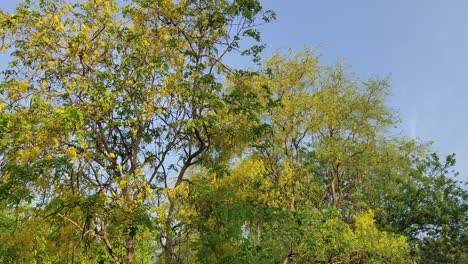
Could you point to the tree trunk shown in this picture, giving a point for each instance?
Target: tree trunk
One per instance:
(109, 249)
(288, 258)
(167, 252)
(131, 247)
(335, 182)
(169, 243)
(334, 195)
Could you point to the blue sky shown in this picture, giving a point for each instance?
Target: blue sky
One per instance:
(421, 44)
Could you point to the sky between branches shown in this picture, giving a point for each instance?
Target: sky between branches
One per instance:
(422, 45)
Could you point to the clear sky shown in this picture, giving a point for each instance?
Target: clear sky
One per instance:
(421, 44)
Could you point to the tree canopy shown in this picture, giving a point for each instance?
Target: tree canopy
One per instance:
(126, 138)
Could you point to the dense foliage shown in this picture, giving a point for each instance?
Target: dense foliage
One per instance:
(126, 138)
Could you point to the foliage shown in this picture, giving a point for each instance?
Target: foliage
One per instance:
(125, 137)
(430, 208)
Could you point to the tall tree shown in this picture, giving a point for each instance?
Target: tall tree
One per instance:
(307, 181)
(113, 104)
(124, 137)
(429, 207)
(328, 130)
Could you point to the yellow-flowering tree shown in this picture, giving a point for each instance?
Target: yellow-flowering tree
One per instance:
(110, 105)
(126, 138)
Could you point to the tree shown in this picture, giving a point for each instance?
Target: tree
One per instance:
(328, 146)
(124, 137)
(429, 207)
(112, 104)
(328, 136)
(307, 181)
